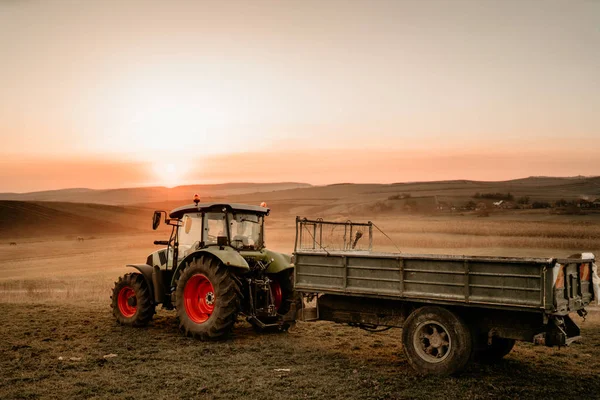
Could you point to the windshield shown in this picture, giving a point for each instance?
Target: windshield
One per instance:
(246, 231)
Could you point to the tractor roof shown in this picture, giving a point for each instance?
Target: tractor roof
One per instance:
(202, 207)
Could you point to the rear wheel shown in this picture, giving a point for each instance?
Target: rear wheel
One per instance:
(207, 299)
(436, 341)
(496, 351)
(131, 302)
(283, 295)
(284, 282)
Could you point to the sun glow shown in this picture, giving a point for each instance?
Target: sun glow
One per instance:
(170, 174)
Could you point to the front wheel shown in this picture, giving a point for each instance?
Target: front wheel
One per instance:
(131, 301)
(207, 299)
(436, 341)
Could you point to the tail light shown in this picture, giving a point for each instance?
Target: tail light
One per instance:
(584, 272)
(559, 283)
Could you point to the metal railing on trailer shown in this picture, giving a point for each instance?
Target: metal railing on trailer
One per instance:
(332, 236)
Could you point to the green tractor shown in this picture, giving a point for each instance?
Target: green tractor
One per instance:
(215, 267)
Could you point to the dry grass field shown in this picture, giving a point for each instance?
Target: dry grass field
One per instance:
(56, 325)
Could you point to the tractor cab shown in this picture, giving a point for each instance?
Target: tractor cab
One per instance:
(238, 227)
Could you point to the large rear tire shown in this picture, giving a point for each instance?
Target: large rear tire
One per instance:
(207, 299)
(131, 301)
(436, 341)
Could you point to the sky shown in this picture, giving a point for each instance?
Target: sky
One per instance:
(105, 94)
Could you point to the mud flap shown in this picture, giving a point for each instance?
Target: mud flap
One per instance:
(562, 331)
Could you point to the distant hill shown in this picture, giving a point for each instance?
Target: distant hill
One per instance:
(286, 200)
(347, 199)
(27, 219)
(149, 194)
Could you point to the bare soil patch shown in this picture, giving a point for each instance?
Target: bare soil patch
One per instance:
(58, 351)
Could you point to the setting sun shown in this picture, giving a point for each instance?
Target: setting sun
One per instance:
(169, 174)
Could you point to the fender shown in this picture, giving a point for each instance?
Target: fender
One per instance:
(280, 261)
(226, 255)
(146, 271)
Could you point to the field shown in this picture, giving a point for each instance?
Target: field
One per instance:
(56, 326)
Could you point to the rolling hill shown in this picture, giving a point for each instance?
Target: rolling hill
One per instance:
(29, 218)
(149, 194)
(20, 219)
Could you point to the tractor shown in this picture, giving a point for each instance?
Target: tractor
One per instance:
(214, 268)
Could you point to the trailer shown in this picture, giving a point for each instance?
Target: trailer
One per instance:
(452, 309)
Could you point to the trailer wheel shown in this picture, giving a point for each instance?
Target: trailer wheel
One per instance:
(436, 341)
(207, 299)
(131, 301)
(495, 352)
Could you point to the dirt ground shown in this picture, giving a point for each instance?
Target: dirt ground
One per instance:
(56, 328)
(58, 350)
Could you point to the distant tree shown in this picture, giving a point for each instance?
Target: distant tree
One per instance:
(400, 196)
(523, 200)
(471, 205)
(561, 203)
(494, 196)
(540, 204)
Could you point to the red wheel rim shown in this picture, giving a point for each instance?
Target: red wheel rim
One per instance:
(277, 294)
(199, 298)
(125, 294)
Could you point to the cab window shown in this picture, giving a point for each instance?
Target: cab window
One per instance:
(214, 226)
(190, 230)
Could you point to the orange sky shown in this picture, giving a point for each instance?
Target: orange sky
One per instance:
(97, 94)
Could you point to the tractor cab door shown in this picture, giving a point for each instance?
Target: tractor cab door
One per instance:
(215, 227)
(189, 234)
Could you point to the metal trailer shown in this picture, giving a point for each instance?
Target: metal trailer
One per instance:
(452, 309)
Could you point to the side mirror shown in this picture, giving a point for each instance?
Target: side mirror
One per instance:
(156, 220)
(222, 240)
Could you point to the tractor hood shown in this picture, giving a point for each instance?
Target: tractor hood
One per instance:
(280, 261)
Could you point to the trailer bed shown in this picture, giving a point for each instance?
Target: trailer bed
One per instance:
(499, 282)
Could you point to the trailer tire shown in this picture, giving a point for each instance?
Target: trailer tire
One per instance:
(131, 301)
(436, 341)
(495, 352)
(207, 299)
